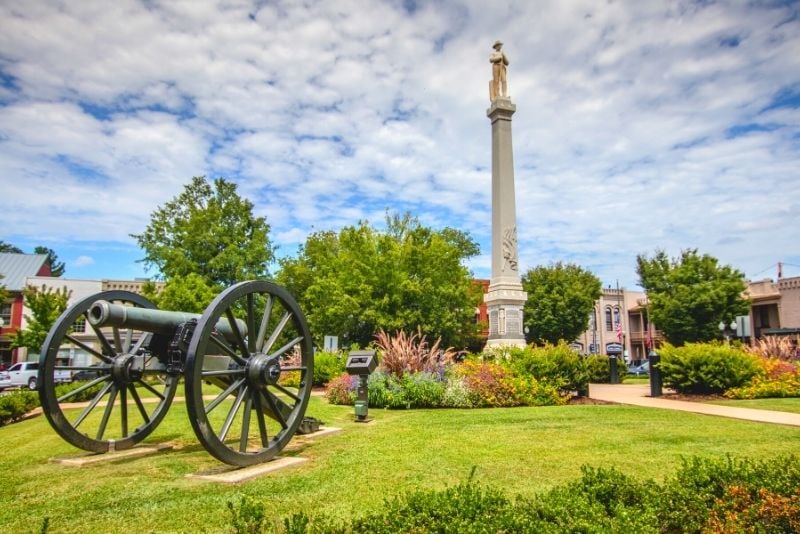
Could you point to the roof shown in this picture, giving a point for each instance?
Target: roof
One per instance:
(15, 268)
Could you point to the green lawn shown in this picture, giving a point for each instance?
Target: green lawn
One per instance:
(525, 450)
(780, 405)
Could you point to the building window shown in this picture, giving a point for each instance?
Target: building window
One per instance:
(609, 320)
(79, 326)
(5, 313)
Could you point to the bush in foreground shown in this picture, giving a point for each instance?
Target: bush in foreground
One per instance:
(705, 368)
(705, 495)
(14, 405)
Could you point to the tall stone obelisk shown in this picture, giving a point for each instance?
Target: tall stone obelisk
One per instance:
(505, 298)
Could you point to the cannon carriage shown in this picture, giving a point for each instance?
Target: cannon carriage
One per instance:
(247, 365)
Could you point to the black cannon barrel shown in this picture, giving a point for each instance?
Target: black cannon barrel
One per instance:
(103, 313)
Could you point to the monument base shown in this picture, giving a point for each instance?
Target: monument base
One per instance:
(504, 303)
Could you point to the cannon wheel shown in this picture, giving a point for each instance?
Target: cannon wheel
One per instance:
(124, 405)
(264, 373)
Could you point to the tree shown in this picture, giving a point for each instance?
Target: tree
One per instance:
(207, 231)
(190, 294)
(560, 299)
(688, 296)
(360, 280)
(46, 304)
(57, 268)
(8, 247)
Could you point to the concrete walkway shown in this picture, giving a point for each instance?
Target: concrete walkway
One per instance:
(638, 395)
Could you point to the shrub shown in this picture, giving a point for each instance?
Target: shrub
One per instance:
(85, 395)
(403, 353)
(327, 366)
(456, 394)
(558, 365)
(598, 368)
(783, 385)
(342, 390)
(705, 368)
(489, 384)
(689, 499)
(14, 405)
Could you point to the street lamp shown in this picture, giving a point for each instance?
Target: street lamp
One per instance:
(724, 329)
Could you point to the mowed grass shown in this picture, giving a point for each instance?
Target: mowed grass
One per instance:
(525, 450)
(780, 405)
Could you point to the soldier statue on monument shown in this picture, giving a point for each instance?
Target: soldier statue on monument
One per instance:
(499, 61)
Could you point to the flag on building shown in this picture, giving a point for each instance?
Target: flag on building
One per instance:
(619, 331)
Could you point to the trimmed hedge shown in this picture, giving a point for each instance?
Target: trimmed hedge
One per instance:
(705, 368)
(14, 405)
(705, 495)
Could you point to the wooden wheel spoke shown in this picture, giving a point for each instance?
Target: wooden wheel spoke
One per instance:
(286, 347)
(251, 324)
(278, 330)
(126, 345)
(214, 338)
(287, 392)
(262, 331)
(151, 389)
(223, 372)
(123, 410)
(236, 333)
(107, 413)
(83, 388)
(143, 339)
(107, 348)
(232, 413)
(86, 411)
(139, 404)
(222, 396)
(274, 404)
(245, 433)
(88, 349)
(262, 424)
(117, 339)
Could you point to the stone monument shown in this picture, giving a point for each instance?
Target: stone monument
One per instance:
(505, 298)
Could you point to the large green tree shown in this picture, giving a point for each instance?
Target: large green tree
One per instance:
(689, 295)
(356, 281)
(45, 304)
(560, 299)
(208, 230)
(8, 247)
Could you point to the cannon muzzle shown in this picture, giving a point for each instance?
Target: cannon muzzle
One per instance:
(103, 313)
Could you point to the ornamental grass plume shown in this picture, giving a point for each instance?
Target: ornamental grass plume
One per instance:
(781, 347)
(403, 353)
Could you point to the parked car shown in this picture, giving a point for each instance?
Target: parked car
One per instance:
(88, 374)
(639, 370)
(26, 374)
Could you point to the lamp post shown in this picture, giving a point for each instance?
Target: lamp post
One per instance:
(723, 327)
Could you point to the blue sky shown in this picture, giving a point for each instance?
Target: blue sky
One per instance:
(639, 125)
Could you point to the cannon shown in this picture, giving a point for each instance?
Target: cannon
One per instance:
(248, 357)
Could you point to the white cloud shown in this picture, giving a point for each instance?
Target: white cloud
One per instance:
(82, 261)
(331, 112)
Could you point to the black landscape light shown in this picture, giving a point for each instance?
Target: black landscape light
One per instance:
(361, 363)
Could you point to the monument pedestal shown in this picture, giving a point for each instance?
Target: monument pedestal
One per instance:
(505, 298)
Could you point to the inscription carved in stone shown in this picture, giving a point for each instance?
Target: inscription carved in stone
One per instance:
(510, 248)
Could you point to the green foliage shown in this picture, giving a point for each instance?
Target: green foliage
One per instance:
(15, 404)
(57, 268)
(558, 365)
(247, 517)
(342, 389)
(190, 293)
(779, 380)
(9, 248)
(327, 366)
(690, 497)
(3, 290)
(560, 299)
(599, 368)
(207, 231)
(360, 280)
(704, 496)
(85, 395)
(704, 368)
(690, 295)
(46, 304)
